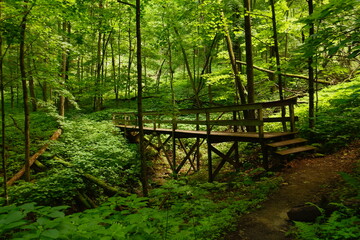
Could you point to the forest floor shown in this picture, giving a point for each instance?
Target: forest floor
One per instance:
(305, 180)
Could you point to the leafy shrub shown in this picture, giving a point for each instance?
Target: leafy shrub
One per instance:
(89, 147)
(342, 223)
(177, 210)
(97, 148)
(338, 116)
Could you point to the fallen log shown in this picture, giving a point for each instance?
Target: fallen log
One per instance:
(286, 74)
(34, 157)
(110, 189)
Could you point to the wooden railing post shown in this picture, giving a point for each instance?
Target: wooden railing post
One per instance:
(292, 117)
(197, 144)
(174, 126)
(261, 127)
(208, 133)
(236, 143)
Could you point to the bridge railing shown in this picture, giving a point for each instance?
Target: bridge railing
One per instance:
(232, 118)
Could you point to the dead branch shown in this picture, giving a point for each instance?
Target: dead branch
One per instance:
(286, 74)
(18, 175)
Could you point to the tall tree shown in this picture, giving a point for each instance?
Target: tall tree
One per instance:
(144, 179)
(311, 72)
(277, 56)
(249, 53)
(24, 88)
(3, 125)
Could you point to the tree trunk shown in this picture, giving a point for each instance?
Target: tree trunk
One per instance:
(25, 93)
(188, 69)
(130, 59)
(144, 178)
(32, 86)
(63, 73)
(113, 67)
(3, 125)
(238, 83)
(277, 56)
(311, 74)
(249, 55)
(18, 175)
(171, 70)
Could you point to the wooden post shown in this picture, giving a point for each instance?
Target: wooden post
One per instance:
(292, 118)
(208, 132)
(174, 144)
(198, 145)
(237, 162)
(261, 127)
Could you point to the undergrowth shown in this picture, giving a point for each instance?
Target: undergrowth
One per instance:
(177, 210)
(340, 220)
(337, 121)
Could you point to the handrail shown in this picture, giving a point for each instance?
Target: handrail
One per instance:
(173, 121)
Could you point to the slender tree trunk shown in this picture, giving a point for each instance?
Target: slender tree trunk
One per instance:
(171, 70)
(25, 93)
(188, 69)
(113, 67)
(32, 89)
(144, 179)
(3, 125)
(98, 74)
(119, 65)
(158, 75)
(249, 55)
(277, 56)
(128, 82)
(249, 63)
(238, 83)
(63, 73)
(311, 74)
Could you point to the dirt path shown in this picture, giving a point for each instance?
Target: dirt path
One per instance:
(305, 180)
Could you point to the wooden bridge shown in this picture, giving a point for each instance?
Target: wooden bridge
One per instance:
(215, 125)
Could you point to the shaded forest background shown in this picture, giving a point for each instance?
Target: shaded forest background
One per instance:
(71, 64)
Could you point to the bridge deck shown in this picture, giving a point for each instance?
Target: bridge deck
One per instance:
(213, 137)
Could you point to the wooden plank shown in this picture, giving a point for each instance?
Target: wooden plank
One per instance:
(287, 142)
(222, 109)
(279, 119)
(295, 150)
(241, 122)
(231, 108)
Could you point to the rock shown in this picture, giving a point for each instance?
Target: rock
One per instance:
(304, 213)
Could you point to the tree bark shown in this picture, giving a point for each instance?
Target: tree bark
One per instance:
(277, 56)
(249, 55)
(188, 69)
(286, 74)
(144, 178)
(3, 125)
(249, 63)
(25, 93)
(64, 74)
(32, 92)
(311, 74)
(238, 83)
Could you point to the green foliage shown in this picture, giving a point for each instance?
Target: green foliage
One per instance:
(177, 210)
(338, 116)
(92, 147)
(56, 187)
(97, 148)
(342, 223)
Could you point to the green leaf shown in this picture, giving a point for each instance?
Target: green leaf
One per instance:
(51, 233)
